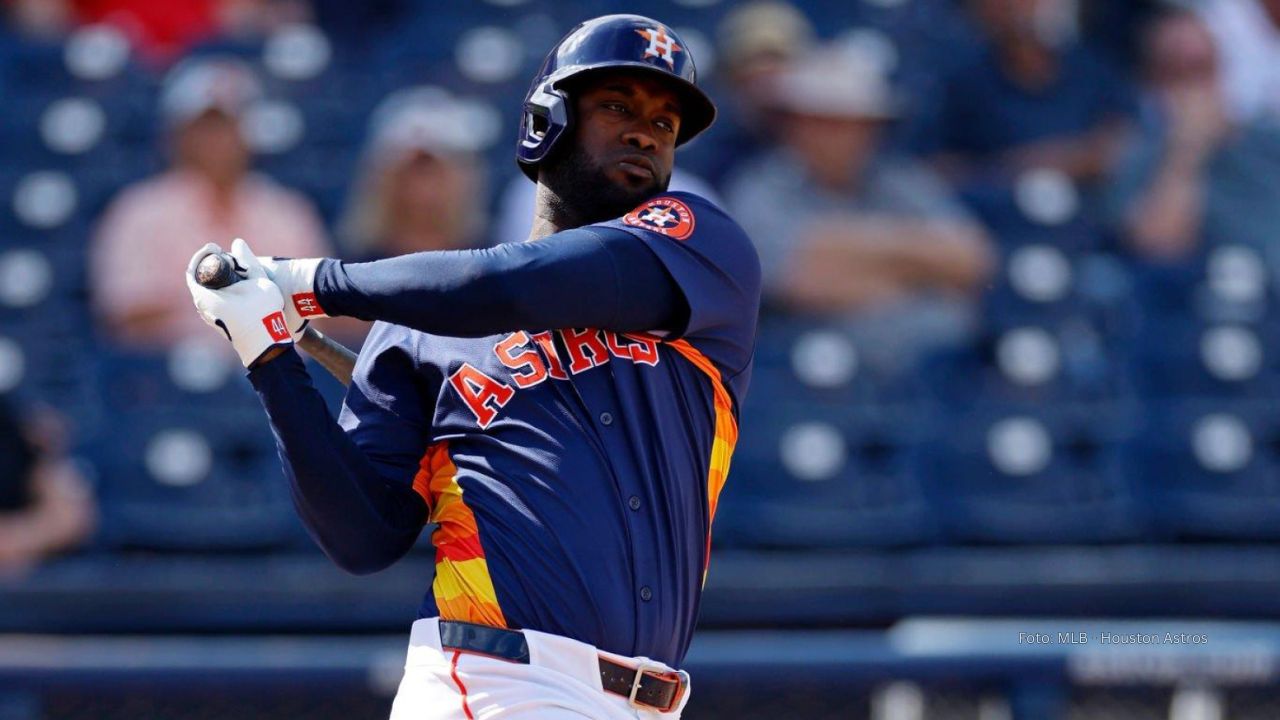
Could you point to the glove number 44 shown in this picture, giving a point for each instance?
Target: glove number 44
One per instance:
(306, 305)
(276, 327)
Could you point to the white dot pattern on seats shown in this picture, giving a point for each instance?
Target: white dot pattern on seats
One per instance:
(824, 359)
(72, 126)
(1221, 443)
(96, 52)
(179, 458)
(1019, 446)
(489, 54)
(297, 52)
(26, 277)
(813, 451)
(45, 199)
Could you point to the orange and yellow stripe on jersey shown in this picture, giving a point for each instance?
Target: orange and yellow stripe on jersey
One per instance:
(463, 589)
(726, 434)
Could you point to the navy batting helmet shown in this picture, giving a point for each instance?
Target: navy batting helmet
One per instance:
(611, 42)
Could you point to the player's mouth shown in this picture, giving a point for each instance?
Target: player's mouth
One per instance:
(637, 166)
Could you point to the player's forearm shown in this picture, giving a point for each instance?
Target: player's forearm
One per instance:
(568, 281)
(362, 520)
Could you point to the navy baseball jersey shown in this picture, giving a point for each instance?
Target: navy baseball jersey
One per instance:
(573, 472)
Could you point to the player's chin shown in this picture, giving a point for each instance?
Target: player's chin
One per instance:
(635, 186)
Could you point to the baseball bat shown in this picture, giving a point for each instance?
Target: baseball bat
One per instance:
(219, 270)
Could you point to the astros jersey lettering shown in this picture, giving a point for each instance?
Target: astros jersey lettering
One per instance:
(573, 473)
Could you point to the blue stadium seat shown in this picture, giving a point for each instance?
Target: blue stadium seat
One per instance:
(1192, 358)
(816, 361)
(1209, 468)
(193, 480)
(134, 380)
(52, 366)
(1033, 475)
(1223, 282)
(808, 477)
(1037, 364)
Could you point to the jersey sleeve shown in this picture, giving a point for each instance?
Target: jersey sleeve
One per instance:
(384, 412)
(352, 484)
(715, 266)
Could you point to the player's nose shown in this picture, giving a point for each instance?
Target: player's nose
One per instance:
(640, 140)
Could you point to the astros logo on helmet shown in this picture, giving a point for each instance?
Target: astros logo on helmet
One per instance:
(660, 45)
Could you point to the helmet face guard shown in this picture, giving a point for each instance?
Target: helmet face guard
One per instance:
(627, 43)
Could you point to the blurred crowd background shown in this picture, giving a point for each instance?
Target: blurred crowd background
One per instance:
(1017, 369)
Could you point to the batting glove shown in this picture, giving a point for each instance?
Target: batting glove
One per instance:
(297, 282)
(250, 312)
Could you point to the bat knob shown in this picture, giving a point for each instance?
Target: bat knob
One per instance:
(216, 271)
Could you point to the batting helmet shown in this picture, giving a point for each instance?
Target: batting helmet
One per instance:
(610, 42)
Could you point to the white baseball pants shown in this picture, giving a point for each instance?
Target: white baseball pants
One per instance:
(561, 682)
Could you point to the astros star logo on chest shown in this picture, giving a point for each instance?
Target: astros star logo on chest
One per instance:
(661, 45)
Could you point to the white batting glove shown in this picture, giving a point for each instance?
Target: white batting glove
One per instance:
(297, 282)
(250, 312)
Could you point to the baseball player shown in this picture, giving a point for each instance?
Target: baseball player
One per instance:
(564, 409)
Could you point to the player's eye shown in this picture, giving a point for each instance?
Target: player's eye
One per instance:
(666, 125)
(614, 106)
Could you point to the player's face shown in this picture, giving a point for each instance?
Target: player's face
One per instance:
(623, 147)
(627, 127)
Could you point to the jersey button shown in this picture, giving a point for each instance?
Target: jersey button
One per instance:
(606, 418)
(646, 594)
(634, 503)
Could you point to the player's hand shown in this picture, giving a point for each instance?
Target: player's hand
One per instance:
(250, 312)
(296, 280)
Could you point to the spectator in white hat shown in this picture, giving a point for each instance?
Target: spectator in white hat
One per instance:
(422, 184)
(757, 41)
(208, 194)
(846, 230)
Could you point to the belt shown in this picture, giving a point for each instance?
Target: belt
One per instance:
(650, 686)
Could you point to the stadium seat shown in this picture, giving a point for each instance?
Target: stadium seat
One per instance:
(815, 361)
(1033, 474)
(193, 375)
(1209, 468)
(1065, 362)
(811, 477)
(192, 480)
(1192, 358)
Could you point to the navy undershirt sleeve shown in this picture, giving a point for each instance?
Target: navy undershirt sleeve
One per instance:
(361, 517)
(586, 277)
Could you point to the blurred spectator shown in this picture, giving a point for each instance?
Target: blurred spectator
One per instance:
(1034, 98)
(45, 504)
(845, 228)
(1113, 27)
(756, 42)
(45, 19)
(1193, 172)
(208, 195)
(422, 184)
(160, 30)
(1248, 38)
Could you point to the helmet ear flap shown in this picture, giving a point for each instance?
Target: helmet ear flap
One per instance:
(546, 119)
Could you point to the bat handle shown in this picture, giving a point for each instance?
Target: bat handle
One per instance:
(331, 354)
(216, 271)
